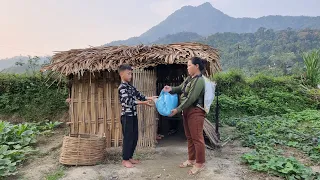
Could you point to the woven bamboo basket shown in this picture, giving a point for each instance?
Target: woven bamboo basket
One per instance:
(82, 149)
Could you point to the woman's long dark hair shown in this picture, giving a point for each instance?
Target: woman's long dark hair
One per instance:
(200, 62)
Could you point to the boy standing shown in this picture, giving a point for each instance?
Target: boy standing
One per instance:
(130, 97)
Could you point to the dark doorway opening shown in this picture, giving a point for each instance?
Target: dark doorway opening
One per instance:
(170, 128)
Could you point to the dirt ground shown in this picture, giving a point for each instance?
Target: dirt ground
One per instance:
(159, 163)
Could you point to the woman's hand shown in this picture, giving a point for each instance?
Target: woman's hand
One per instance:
(173, 112)
(167, 89)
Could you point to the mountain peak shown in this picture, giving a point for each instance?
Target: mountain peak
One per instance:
(208, 8)
(206, 5)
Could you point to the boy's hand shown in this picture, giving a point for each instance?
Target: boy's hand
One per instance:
(145, 103)
(167, 89)
(68, 100)
(148, 103)
(152, 97)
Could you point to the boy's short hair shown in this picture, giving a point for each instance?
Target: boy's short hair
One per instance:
(124, 67)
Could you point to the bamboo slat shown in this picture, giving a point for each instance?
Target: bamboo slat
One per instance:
(93, 108)
(80, 111)
(71, 107)
(149, 114)
(100, 111)
(109, 115)
(117, 118)
(85, 111)
(112, 115)
(105, 105)
(76, 115)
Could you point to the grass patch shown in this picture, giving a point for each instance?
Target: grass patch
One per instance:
(58, 174)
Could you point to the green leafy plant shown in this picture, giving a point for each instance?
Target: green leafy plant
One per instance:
(16, 143)
(269, 134)
(267, 159)
(312, 63)
(300, 130)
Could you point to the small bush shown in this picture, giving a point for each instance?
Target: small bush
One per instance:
(32, 97)
(261, 95)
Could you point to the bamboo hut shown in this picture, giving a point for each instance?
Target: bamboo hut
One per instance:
(95, 108)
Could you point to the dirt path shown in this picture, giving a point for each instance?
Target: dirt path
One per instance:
(160, 163)
(221, 165)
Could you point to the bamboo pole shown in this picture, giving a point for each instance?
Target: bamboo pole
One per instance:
(146, 109)
(105, 123)
(149, 125)
(101, 111)
(112, 113)
(153, 112)
(136, 79)
(76, 117)
(117, 119)
(109, 109)
(71, 107)
(86, 111)
(143, 108)
(93, 110)
(80, 111)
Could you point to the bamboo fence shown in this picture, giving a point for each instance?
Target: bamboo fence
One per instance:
(145, 82)
(95, 108)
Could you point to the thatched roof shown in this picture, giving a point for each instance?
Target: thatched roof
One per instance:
(111, 57)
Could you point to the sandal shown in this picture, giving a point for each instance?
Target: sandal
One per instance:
(195, 170)
(185, 164)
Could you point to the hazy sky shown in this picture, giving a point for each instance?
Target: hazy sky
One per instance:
(39, 27)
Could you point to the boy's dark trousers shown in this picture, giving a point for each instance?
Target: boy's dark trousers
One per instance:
(130, 136)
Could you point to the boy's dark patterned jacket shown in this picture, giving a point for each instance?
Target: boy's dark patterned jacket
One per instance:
(129, 95)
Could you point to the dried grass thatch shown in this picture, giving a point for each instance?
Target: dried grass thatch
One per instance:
(77, 61)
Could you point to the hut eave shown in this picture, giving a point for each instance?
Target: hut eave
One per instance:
(110, 58)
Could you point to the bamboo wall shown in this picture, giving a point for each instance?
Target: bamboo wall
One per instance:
(95, 108)
(145, 82)
(102, 117)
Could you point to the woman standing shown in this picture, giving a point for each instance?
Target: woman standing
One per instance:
(192, 96)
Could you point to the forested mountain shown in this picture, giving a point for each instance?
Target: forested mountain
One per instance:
(264, 50)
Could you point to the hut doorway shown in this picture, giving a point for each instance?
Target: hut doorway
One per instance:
(170, 127)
